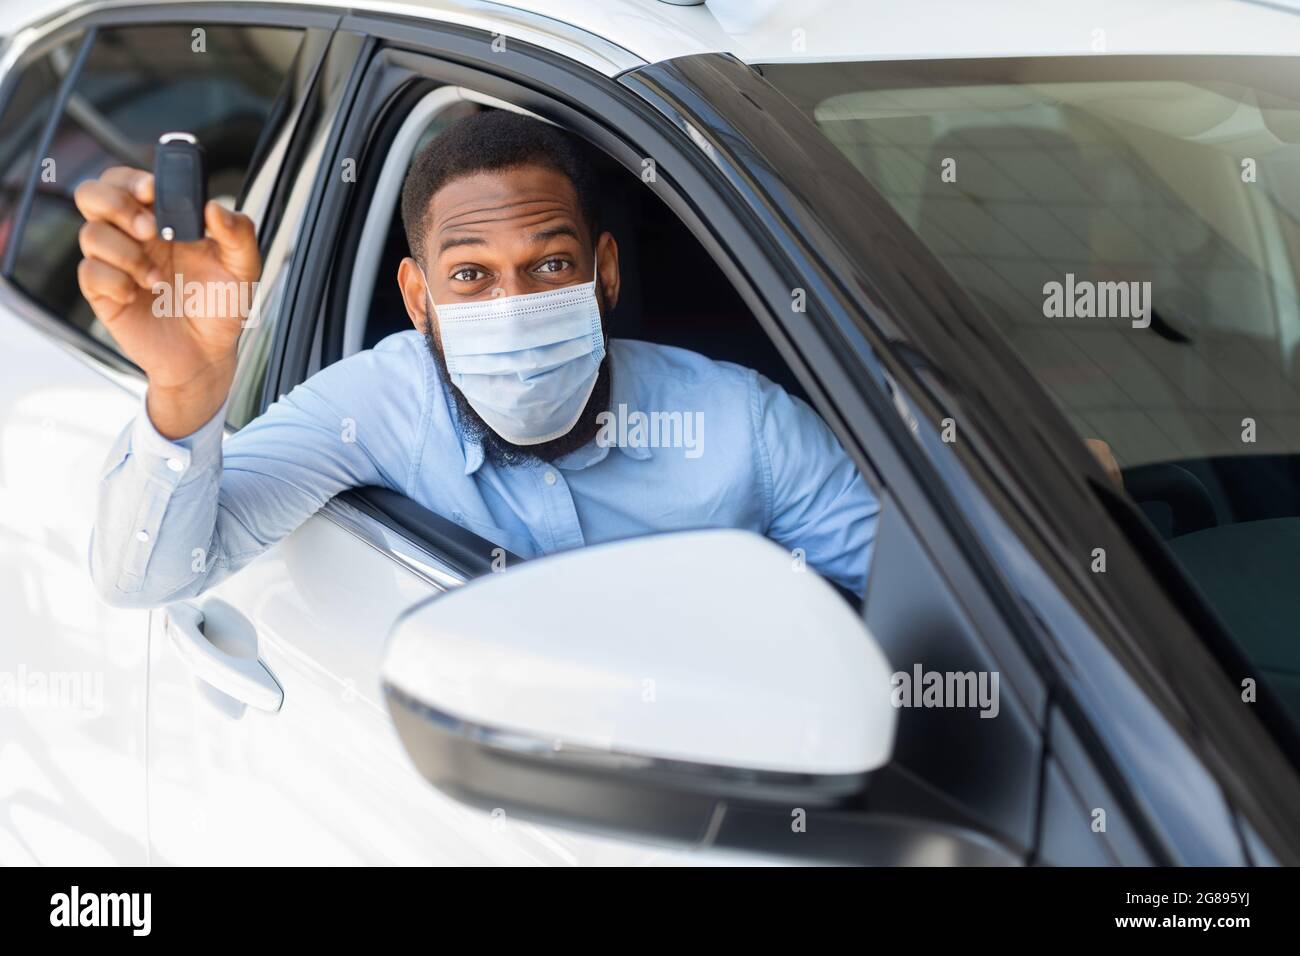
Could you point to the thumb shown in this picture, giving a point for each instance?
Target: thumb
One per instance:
(236, 241)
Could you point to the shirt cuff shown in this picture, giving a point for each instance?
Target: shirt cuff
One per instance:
(175, 462)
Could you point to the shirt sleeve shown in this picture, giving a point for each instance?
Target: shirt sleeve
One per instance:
(175, 517)
(818, 501)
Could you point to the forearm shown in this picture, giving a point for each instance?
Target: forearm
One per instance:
(176, 517)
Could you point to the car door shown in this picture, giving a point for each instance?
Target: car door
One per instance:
(73, 690)
(72, 672)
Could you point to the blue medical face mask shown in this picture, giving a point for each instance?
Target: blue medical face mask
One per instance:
(526, 363)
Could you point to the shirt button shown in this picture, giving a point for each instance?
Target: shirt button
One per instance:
(142, 536)
(549, 477)
(175, 464)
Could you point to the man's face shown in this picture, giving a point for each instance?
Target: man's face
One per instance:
(506, 233)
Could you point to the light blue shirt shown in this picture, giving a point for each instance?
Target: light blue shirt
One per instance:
(175, 517)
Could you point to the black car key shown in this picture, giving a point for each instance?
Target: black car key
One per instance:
(180, 187)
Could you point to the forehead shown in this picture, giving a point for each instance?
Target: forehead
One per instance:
(507, 198)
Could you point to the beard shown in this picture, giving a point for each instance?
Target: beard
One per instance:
(505, 454)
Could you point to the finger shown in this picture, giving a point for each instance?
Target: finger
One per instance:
(106, 310)
(108, 244)
(137, 182)
(103, 202)
(99, 280)
(236, 240)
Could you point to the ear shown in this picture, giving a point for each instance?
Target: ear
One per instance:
(607, 268)
(414, 293)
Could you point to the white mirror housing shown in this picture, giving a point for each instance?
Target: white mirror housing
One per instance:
(711, 660)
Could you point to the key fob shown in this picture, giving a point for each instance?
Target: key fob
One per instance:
(180, 187)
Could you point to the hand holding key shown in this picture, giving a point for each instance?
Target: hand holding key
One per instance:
(186, 349)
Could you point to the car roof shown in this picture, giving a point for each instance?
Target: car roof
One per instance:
(770, 31)
(793, 30)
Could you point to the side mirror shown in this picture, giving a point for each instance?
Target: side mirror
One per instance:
(644, 687)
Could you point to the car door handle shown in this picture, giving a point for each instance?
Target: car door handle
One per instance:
(245, 679)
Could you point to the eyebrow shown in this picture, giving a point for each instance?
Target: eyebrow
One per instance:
(453, 242)
(551, 233)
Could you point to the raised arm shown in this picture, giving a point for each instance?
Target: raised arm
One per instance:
(176, 512)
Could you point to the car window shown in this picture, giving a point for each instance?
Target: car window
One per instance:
(218, 82)
(709, 316)
(22, 122)
(1134, 232)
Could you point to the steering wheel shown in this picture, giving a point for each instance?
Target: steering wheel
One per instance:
(1173, 485)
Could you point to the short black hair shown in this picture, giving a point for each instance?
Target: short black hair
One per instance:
(491, 141)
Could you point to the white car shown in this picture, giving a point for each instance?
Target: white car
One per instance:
(865, 201)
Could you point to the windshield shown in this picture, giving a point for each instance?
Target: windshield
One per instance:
(1132, 226)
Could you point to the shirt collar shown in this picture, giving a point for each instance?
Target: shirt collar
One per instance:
(473, 454)
(622, 392)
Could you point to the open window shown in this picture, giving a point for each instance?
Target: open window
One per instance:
(673, 290)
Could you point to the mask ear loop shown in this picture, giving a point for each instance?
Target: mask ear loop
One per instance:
(605, 314)
(428, 302)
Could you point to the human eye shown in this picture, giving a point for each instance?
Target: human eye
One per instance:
(467, 274)
(554, 264)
